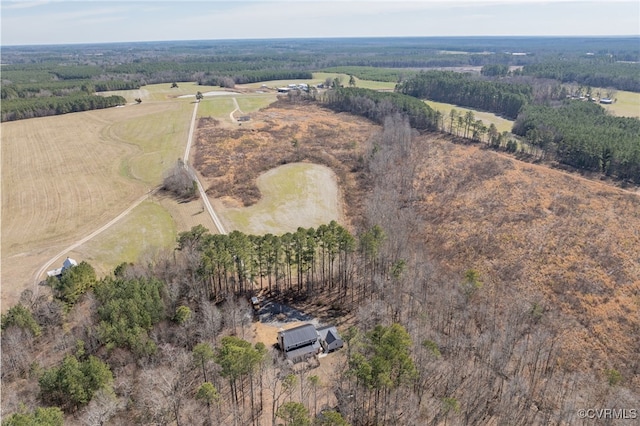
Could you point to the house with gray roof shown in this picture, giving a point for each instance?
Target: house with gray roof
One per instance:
(304, 341)
(330, 339)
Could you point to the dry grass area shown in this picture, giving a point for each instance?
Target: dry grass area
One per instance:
(60, 181)
(571, 241)
(231, 159)
(293, 195)
(543, 231)
(65, 176)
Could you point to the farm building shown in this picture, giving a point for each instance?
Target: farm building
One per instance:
(305, 341)
(68, 263)
(606, 101)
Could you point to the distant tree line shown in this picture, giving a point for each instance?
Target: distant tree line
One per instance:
(63, 88)
(583, 135)
(495, 70)
(374, 74)
(245, 77)
(594, 73)
(499, 97)
(377, 106)
(17, 109)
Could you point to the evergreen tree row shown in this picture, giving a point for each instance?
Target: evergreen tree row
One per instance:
(303, 261)
(373, 74)
(465, 90)
(246, 77)
(582, 135)
(376, 106)
(63, 88)
(17, 109)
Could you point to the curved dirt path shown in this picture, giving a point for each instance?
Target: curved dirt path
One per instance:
(203, 195)
(78, 243)
(235, 101)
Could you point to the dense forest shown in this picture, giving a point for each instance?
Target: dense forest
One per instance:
(589, 73)
(18, 109)
(501, 97)
(582, 135)
(376, 106)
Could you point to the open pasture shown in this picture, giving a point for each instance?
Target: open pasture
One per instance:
(143, 231)
(252, 103)
(63, 177)
(320, 77)
(293, 195)
(627, 104)
(159, 137)
(218, 107)
(161, 92)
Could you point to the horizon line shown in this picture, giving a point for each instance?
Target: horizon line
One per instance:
(479, 36)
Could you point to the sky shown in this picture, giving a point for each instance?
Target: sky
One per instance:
(91, 21)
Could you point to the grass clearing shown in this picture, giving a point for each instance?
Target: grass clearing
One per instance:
(256, 102)
(627, 104)
(502, 124)
(216, 106)
(161, 92)
(146, 229)
(159, 136)
(293, 195)
(320, 77)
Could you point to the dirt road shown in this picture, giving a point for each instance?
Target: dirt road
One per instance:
(216, 220)
(78, 243)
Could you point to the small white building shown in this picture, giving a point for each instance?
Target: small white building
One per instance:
(68, 263)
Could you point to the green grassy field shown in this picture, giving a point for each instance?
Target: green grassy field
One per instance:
(487, 118)
(255, 102)
(216, 106)
(161, 92)
(159, 137)
(627, 104)
(148, 228)
(320, 77)
(73, 173)
(293, 195)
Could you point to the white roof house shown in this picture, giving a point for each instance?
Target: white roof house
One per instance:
(68, 263)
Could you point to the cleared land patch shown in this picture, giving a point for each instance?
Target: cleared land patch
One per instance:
(161, 92)
(230, 160)
(627, 104)
(294, 195)
(148, 228)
